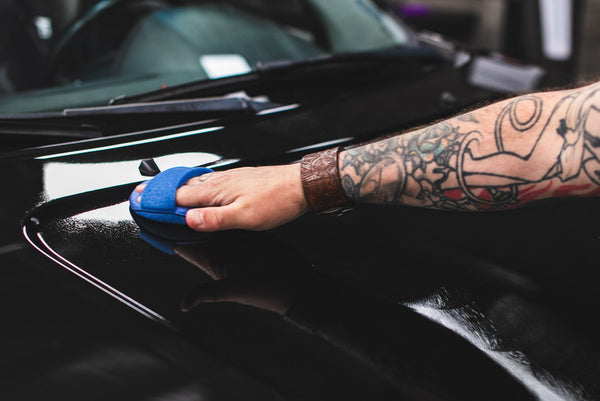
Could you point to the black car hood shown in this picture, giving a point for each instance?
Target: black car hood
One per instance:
(387, 302)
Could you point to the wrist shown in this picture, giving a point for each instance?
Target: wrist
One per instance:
(293, 184)
(321, 181)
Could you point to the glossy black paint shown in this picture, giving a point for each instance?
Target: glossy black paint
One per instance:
(382, 303)
(359, 284)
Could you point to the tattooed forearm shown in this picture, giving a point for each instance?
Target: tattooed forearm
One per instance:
(500, 156)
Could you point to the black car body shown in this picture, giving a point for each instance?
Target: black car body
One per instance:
(387, 302)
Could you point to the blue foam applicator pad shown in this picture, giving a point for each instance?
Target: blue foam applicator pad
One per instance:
(158, 198)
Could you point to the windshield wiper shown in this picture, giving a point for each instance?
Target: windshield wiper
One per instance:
(294, 69)
(212, 106)
(92, 122)
(169, 106)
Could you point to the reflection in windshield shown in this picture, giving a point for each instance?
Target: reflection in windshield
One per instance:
(114, 50)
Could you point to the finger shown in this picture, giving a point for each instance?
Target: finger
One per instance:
(210, 219)
(194, 196)
(199, 179)
(140, 187)
(213, 291)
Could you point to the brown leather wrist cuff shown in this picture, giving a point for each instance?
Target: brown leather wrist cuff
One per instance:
(321, 181)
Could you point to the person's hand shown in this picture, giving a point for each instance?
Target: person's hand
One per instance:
(257, 198)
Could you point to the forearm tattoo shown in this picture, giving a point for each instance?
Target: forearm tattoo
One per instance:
(528, 153)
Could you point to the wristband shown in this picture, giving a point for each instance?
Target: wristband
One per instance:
(321, 181)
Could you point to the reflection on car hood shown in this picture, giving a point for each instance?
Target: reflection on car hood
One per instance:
(382, 303)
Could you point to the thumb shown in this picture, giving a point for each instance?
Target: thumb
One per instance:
(209, 219)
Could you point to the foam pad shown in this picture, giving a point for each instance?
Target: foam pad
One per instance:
(158, 200)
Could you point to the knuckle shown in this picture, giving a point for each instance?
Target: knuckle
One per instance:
(214, 220)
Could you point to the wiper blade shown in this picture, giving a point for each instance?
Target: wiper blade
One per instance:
(203, 105)
(92, 122)
(290, 69)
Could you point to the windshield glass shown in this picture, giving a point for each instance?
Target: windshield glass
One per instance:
(59, 54)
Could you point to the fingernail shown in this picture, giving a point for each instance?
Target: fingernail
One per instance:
(196, 217)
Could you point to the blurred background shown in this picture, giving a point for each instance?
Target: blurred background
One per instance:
(504, 26)
(558, 35)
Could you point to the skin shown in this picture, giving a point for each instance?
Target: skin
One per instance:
(250, 198)
(497, 157)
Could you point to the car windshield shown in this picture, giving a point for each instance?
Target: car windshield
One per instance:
(78, 53)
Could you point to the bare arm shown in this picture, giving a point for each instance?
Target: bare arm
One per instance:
(500, 156)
